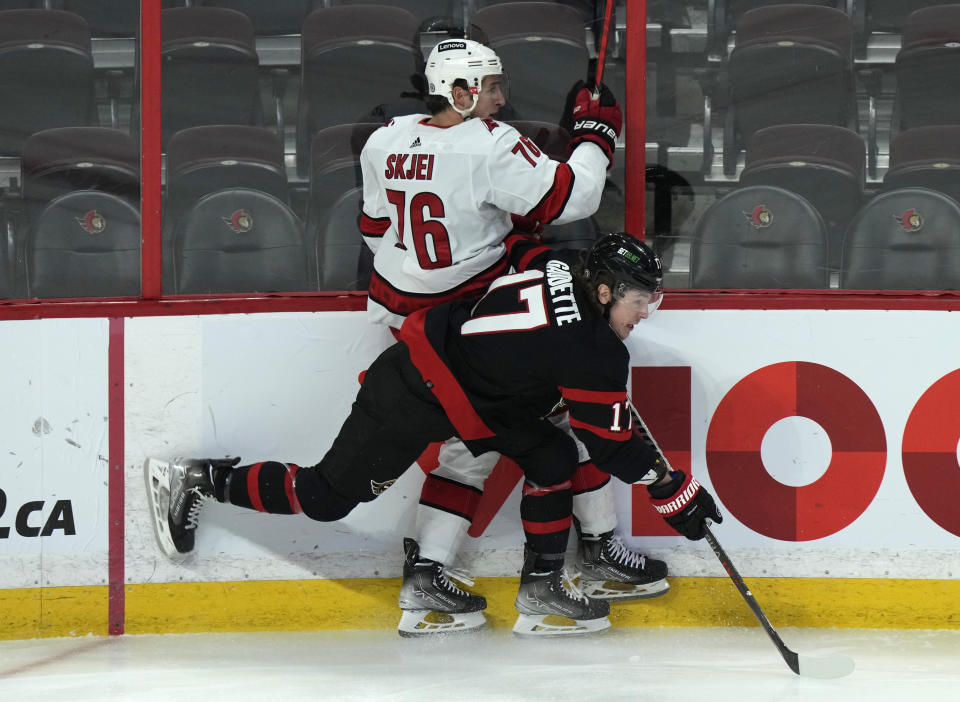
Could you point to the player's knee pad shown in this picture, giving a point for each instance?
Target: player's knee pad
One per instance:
(318, 499)
(553, 461)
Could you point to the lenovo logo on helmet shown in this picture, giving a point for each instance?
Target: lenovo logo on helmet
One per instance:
(451, 45)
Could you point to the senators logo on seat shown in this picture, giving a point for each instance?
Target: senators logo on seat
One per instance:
(92, 222)
(910, 221)
(760, 217)
(240, 221)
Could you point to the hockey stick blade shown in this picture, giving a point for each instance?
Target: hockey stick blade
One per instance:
(825, 667)
(808, 666)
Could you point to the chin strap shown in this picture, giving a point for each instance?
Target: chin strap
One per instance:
(468, 113)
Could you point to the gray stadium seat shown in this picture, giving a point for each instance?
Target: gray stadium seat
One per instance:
(343, 261)
(240, 240)
(204, 160)
(59, 161)
(926, 157)
(210, 69)
(46, 74)
(422, 9)
(792, 64)
(928, 69)
(275, 17)
(823, 163)
(527, 37)
(355, 57)
(904, 240)
(84, 244)
(759, 237)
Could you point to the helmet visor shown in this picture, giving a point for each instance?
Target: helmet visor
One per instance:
(656, 297)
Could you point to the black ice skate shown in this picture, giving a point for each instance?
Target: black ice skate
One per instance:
(551, 605)
(177, 491)
(611, 571)
(432, 604)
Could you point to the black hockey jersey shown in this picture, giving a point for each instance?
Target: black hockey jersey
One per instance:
(508, 359)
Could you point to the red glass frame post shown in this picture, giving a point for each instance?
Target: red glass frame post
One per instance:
(635, 122)
(150, 72)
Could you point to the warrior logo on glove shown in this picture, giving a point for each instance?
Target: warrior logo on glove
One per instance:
(685, 505)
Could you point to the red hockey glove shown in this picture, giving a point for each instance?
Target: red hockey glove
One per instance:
(684, 505)
(526, 225)
(597, 120)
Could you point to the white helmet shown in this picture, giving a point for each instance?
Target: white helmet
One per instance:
(452, 59)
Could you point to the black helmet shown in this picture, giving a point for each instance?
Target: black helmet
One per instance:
(630, 262)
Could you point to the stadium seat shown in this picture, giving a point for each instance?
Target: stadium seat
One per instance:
(210, 69)
(759, 237)
(529, 36)
(926, 157)
(269, 18)
(85, 243)
(61, 160)
(423, 10)
(343, 261)
(46, 75)
(64, 160)
(723, 15)
(791, 64)
(240, 240)
(888, 15)
(823, 163)
(928, 69)
(904, 240)
(354, 58)
(108, 18)
(203, 160)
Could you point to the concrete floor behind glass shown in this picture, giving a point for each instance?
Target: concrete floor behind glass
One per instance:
(661, 665)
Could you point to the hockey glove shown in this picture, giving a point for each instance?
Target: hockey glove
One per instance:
(593, 120)
(684, 504)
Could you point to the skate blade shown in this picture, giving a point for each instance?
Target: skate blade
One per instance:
(157, 475)
(425, 622)
(533, 625)
(615, 591)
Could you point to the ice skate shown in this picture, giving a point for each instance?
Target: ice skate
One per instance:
(431, 603)
(177, 491)
(611, 571)
(551, 605)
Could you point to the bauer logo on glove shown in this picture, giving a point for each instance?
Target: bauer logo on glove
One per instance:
(594, 119)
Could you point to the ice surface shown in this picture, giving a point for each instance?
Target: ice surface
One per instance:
(661, 665)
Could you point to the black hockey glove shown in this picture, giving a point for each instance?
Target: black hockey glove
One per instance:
(684, 504)
(597, 120)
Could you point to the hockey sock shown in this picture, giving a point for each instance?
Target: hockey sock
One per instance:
(265, 487)
(450, 496)
(588, 478)
(594, 506)
(546, 513)
(444, 515)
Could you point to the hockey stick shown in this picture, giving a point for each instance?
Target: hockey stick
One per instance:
(833, 666)
(602, 52)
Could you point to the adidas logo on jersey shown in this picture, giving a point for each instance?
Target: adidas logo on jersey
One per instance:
(416, 142)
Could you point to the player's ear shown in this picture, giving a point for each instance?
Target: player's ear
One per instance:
(604, 295)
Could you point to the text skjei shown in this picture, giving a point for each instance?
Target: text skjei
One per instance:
(409, 167)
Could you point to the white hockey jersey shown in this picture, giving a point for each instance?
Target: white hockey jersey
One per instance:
(437, 203)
